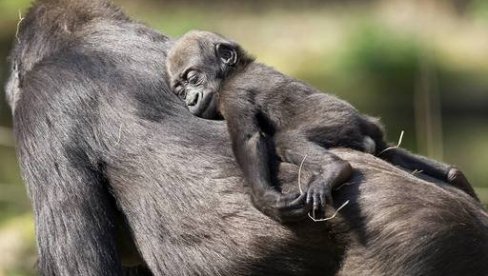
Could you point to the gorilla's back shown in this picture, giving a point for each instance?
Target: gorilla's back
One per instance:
(100, 136)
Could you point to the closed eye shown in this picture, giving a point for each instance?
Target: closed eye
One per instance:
(193, 77)
(188, 74)
(179, 90)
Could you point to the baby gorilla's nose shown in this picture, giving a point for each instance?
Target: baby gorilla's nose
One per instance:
(192, 99)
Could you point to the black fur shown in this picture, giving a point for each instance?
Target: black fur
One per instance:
(216, 78)
(110, 156)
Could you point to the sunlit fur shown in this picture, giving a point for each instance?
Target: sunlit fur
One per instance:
(103, 143)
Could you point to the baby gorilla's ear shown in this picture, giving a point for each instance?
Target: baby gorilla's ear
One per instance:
(226, 53)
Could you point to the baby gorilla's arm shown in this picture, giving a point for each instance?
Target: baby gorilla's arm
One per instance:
(252, 154)
(330, 170)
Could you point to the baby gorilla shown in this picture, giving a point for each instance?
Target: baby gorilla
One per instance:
(268, 112)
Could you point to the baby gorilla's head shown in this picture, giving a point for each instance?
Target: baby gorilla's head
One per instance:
(197, 64)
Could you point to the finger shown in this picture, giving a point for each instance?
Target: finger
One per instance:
(299, 199)
(272, 196)
(285, 198)
(323, 200)
(295, 214)
(291, 201)
(309, 198)
(316, 204)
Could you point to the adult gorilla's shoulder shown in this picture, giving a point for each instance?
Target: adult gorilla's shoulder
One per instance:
(100, 137)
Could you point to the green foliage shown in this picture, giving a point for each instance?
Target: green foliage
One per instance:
(479, 9)
(385, 57)
(17, 246)
(10, 8)
(172, 23)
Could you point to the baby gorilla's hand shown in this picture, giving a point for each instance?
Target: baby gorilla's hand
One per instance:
(320, 188)
(318, 195)
(282, 207)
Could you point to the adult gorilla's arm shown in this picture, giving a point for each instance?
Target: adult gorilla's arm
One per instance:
(98, 131)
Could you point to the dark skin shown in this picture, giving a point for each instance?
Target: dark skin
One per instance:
(217, 79)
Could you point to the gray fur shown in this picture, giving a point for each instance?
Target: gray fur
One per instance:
(104, 144)
(273, 116)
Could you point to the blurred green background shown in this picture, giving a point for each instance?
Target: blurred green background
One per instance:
(422, 66)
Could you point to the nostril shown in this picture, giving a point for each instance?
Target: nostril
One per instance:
(193, 99)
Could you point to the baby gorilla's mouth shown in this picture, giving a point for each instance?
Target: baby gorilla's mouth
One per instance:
(202, 103)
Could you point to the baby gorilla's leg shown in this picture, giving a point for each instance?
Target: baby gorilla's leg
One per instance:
(433, 168)
(407, 160)
(329, 170)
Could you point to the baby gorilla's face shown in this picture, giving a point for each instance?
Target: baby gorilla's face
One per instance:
(197, 64)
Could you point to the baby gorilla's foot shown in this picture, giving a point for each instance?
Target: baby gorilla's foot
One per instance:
(319, 194)
(457, 179)
(282, 207)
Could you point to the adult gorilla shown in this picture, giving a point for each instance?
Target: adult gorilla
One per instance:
(100, 137)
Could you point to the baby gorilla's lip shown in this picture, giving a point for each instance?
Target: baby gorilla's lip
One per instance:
(199, 103)
(210, 109)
